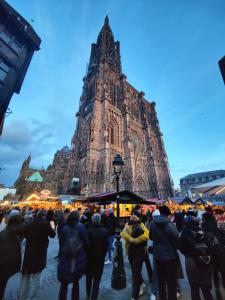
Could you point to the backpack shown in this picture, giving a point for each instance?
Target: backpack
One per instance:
(201, 252)
(72, 242)
(215, 244)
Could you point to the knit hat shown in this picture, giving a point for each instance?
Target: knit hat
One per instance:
(156, 213)
(96, 218)
(14, 212)
(164, 210)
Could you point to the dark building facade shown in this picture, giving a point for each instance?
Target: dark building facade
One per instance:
(222, 68)
(18, 41)
(56, 179)
(115, 118)
(192, 180)
(22, 185)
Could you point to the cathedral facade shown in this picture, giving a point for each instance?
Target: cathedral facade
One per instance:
(114, 118)
(56, 179)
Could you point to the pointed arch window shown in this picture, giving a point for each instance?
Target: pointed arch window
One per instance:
(112, 135)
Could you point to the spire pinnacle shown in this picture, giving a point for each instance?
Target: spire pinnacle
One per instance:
(106, 20)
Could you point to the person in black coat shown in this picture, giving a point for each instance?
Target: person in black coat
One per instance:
(216, 242)
(98, 237)
(36, 234)
(110, 225)
(62, 218)
(10, 250)
(199, 275)
(179, 220)
(86, 218)
(50, 215)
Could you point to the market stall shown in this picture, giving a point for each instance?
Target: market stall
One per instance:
(127, 200)
(72, 202)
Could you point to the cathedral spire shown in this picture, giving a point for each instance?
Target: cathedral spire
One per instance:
(29, 159)
(106, 20)
(106, 32)
(106, 49)
(26, 162)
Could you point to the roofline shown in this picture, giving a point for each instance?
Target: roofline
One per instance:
(202, 173)
(21, 24)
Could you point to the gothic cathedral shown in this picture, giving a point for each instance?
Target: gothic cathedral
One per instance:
(114, 118)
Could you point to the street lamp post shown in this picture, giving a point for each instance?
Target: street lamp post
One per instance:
(118, 274)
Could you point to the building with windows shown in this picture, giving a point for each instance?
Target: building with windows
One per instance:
(213, 190)
(115, 118)
(191, 181)
(18, 41)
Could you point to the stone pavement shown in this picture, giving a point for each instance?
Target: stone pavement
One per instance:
(50, 285)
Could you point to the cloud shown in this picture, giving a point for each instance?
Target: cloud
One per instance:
(21, 138)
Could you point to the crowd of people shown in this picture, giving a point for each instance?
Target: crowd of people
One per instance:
(86, 245)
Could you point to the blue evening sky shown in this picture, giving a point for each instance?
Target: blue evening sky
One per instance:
(169, 50)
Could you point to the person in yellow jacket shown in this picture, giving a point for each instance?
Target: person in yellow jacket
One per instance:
(136, 236)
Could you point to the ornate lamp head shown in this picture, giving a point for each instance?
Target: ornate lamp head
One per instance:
(118, 164)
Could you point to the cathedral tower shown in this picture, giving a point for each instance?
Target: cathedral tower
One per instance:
(114, 118)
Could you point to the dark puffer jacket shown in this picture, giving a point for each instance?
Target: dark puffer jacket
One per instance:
(70, 270)
(165, 238)
(97, 250)
(216, 235)
(36, 234)
(10, 250)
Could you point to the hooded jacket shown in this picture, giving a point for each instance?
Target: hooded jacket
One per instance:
(66, 271)
(165, 237)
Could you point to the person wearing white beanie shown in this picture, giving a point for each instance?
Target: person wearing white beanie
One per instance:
(156, 213)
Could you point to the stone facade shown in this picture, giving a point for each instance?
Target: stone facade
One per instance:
(56, 178)
(58, 175)
(24, 187)
(115, 118)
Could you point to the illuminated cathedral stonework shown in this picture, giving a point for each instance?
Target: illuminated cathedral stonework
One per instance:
(115, 118)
